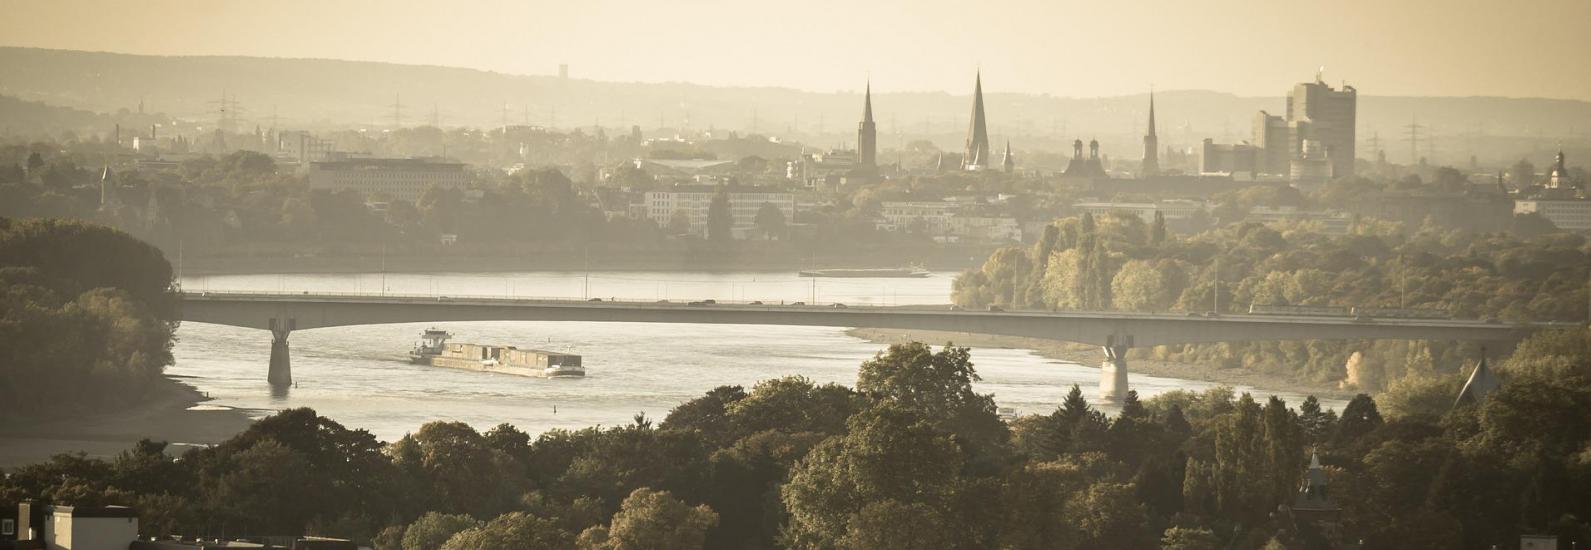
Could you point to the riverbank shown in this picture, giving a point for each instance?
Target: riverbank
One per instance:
(166, 414)
(1091, 356)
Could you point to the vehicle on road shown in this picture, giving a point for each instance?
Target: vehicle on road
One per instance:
(995, 308)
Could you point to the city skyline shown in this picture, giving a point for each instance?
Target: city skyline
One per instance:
(1396, 49)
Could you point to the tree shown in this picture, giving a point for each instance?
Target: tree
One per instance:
(1110, 516)
(263, 488)
(1189, 538)
(938, 388)
(433, 529)
(770, 221)
(720, 219)
(1157, 233)
(651, 519)
(35, 164)
(517, 530)
(679, 223)
(1359, 417)
(889, 453)
(461, 472)
(1523, 174)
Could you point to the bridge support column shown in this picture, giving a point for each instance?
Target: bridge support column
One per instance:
(281, 373)
(1113, 372)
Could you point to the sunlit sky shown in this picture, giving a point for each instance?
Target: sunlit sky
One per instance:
(1521, 48)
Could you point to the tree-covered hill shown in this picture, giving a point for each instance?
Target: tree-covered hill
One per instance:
(86, 317)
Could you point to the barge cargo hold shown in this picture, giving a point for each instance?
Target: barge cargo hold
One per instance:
(434, 349)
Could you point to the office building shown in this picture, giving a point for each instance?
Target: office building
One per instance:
(695, 200)
(1567, 214)
(1316, 112)
(386, 179)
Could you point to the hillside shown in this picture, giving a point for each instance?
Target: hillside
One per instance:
(318, 93)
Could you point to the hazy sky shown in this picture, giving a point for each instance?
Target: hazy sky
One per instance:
(1535, 48)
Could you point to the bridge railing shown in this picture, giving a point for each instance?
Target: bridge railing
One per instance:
(540, 299)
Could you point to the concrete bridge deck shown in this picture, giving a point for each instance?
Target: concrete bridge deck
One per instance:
(1115, 332)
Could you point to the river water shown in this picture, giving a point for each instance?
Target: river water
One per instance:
(360, 376)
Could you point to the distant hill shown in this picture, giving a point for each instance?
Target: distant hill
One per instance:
(318, 93)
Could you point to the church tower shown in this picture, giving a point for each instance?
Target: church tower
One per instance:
(1007, 161)
(977, 155)
(867, 134)
(1151, 165)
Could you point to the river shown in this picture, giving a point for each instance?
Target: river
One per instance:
(359, 375)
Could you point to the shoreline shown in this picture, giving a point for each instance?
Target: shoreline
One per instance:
(165, 414)
(1089, 356)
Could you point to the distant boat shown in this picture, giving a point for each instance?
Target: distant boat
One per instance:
(899, 272)
(434, 349)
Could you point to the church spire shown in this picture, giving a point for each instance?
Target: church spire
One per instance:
(1151, 112)
(1007, 161)
(867, 103)
(1151, 164)
(867, 133)
(977, 155)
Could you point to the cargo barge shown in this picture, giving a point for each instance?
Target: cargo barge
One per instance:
(903, 272)
(434, 349)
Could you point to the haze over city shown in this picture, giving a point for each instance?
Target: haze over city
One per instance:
(1064, 48)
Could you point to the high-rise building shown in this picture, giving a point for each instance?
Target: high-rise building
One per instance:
(1151, 165)
(1271, 135)
(977, 155)
(1316, 112)
(867, 134)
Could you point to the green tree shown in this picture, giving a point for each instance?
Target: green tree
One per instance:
(770, 221)
(720, 219)
(651, 519)
(888, 454)
(679, 223)
(938, 387)
(433, 529)
(517, 530)
(1189, 538)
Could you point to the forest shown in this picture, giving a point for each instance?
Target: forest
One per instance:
(86, 317)
(909, 457)
(1119, 262)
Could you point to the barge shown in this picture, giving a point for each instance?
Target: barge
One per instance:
(901, 272)
(435, 350)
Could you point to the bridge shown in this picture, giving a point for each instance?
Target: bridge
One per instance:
(1114, 332)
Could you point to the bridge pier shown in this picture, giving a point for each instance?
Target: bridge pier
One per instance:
(1113, 372)
(281, 371)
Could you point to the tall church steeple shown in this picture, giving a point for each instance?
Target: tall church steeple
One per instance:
(1151, 166)
(1008, 161)
(867, 134)
(977, 155)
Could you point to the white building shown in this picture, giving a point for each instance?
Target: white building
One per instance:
(90, 528)
(386, 179)
(1567, 214)
(1172, 210)
(1331, 222)
(948, 221)
(694, 201)
(931, 217)
(986, 228)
